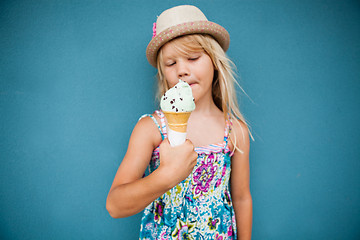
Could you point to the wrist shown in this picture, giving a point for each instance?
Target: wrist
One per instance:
(165, 177)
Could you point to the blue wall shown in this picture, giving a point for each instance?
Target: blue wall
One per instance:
(74, 80)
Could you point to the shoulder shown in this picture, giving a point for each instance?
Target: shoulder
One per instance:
(147, 130)
(146, 123)
(239, 137)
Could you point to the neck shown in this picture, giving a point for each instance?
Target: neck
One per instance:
(205, 106)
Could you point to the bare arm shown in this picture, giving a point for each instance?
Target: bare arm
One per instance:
(130, 193)
(240, 182)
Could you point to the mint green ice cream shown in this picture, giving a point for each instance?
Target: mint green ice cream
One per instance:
(178, 98)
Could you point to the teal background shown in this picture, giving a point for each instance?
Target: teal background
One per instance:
(74, 81)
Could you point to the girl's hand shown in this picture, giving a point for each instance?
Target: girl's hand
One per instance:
(177, 162)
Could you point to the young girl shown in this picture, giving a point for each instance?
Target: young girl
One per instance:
(200, 189)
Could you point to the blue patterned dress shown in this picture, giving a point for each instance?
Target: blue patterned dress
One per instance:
(200, 206)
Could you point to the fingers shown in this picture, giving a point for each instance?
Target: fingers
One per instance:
(179, 161)
(187, 141)
(194, 155)
(187, 148)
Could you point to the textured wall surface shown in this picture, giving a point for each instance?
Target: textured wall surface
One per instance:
(74, 80)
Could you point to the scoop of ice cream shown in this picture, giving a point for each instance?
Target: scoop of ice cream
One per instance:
(178, 98)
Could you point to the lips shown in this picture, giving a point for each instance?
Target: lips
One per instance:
(191, 82)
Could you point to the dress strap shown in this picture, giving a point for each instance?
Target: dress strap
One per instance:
(155, 121)
(162, 121)
(228, 126)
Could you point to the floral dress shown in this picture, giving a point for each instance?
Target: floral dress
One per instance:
(200, 206)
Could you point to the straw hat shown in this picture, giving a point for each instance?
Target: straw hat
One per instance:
(179, 21)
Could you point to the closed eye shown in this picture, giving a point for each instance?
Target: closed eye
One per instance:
(170, 64)
(193, 58)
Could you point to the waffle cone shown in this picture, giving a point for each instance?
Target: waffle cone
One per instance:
(177, 121)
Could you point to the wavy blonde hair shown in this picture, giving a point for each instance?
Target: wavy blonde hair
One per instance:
(223, 85)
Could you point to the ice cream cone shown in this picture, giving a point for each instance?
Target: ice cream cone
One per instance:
(177, 121)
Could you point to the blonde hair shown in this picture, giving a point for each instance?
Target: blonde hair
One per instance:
(223, 85)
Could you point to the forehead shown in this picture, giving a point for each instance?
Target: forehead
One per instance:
(182, 47)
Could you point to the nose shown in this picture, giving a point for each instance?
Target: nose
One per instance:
(183, 69)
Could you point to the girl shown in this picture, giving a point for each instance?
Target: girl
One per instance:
(200, 189)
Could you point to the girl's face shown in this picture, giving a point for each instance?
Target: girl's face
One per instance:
(195, 68)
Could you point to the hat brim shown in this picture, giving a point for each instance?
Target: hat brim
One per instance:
(204, 27)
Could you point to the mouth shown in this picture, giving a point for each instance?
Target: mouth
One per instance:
(191, 83)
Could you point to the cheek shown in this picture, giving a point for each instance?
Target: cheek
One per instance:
(170, 77)
(208, 75)
(207, 69)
